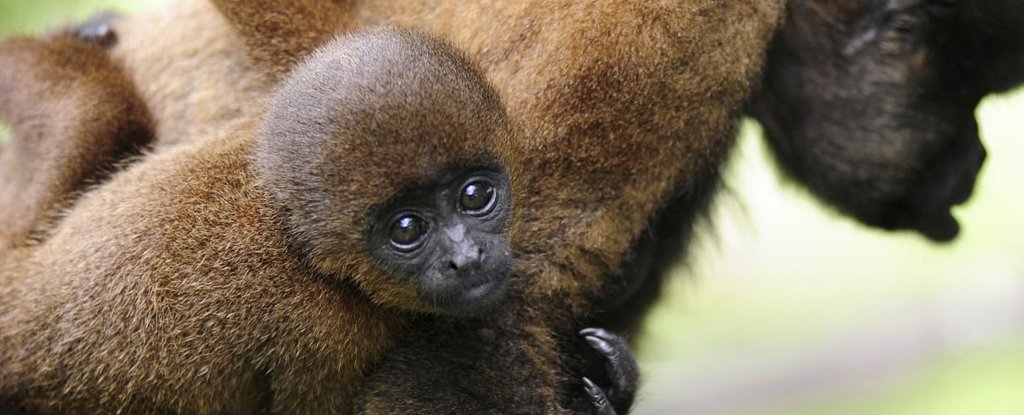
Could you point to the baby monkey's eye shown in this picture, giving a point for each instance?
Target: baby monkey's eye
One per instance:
(477, 197)
(407, 232)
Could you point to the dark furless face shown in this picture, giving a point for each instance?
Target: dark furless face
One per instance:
(870, 103)
(449, 238)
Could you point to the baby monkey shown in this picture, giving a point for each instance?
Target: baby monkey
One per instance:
(382, 167)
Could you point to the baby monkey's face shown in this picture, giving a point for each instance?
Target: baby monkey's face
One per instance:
(383, 151)
(448, 238)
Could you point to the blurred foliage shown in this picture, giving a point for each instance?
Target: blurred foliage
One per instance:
(782, 296)
(983, 381)
(36, 16)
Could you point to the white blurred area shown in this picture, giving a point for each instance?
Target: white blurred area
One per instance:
(789, 308)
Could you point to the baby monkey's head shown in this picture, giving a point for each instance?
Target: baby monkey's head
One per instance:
(379, 150)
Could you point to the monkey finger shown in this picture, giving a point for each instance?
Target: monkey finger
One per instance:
(598, 398)
(619, 363)
(98, 29)
(602, 341)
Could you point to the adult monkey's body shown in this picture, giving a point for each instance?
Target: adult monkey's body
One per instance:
(543, 73)
(628, 107)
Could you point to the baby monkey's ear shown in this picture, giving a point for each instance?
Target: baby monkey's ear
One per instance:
(73, 115)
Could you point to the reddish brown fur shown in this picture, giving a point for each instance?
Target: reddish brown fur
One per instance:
(74, 114)
(254, 25)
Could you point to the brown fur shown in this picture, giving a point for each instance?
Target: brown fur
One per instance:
(254, 25)
(74, 114)
(191, 70)
(274, 322)
(203, 306)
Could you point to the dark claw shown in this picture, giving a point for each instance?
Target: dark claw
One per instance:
(621, 369)
(98, 29)
(598, 398)
(601, 345)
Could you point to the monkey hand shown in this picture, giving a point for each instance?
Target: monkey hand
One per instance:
(98, 29)
(621, 371)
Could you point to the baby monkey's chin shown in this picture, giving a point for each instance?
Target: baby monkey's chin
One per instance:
(471, 298)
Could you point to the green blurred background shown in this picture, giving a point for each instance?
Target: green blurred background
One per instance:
(788, 308)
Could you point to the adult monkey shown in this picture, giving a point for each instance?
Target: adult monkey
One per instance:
(861, 10)
(855, 45)
(611, 163)
(891, 141)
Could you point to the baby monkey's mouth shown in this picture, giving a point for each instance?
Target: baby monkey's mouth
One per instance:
(471, 296)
